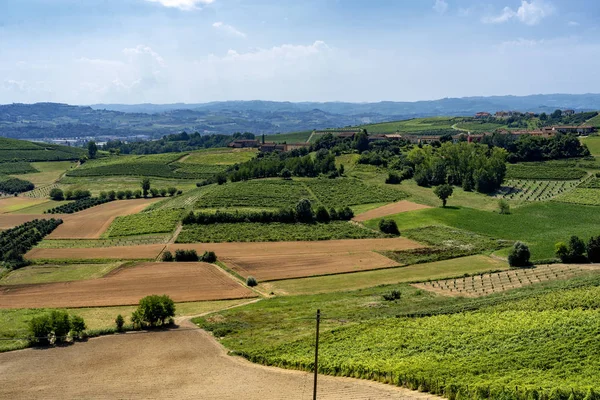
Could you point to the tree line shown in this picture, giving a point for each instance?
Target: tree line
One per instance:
(15, 185)
(17, 241)
(537, 148)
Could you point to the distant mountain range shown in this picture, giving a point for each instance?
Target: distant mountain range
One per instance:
(105, 121)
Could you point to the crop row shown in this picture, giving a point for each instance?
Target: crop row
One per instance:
(15, 242)
(78, 205)
(581, 196)
(160, 221)
(96, 243)
(129, 169)
(593, 183)
(534, 190)
(50, 154)
(41, 191)
(541, 171)
(14, 168)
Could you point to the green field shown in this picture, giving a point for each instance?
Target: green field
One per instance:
(255, 232)
(48, 172)
(16, 168)
(13, 322)
(543, 171)
(593, 142)
(20, 150)
(534, 190)
(110, 242)
(581, 196)
(57, 273)
(360, 280)
(159, 221)
(220, 156)
(294, 137)
(97, 184)
(416, 126)
(349, 192)
(526, 338)
(540, 225)
(479, 126)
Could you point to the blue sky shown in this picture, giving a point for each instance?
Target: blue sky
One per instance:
(165, 51)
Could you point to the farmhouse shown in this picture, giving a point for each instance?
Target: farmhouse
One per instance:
(568, 112)
(482, 115)
(270, 147)
(243, 143)
(341, 133)
(581, 129)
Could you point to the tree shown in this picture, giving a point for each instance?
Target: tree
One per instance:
(593, 249)
(57, 194)
(112, 195)
(393, 179)
(251, 281)
(576, 250)
(61, 325)
(145, 186)
(120, 194)
(40, 329)
(562, 251)
(209, 257)
(322, 214)
(519, 255)
(341, 170)
(137, 194)
(119, 322)
(503, 207)
(155, 309)
(77, 326)
(172, 191)
(443, 192)
(154, 192)
(167, 256)
(221, 179)
(361, 142)
(543, 116)
(285, 173)
(389, 226)
(92, 149)
(304, 211)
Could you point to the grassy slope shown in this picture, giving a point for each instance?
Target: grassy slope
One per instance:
(41, 207)
(10, 205)
(540, 225)
(13, 322)
(294, 137)
(97, 184)
(593, 142)
(57, 273)
(49, 172)
(359, 280)
(413, 125)
(220, 156)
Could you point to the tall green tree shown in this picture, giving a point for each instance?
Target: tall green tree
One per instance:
(145, 186)
(92, 149)
(443, 192)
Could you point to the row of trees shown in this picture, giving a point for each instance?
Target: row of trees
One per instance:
(189, 255)
(15, 185)
(55, 327)
(537, 148)
(302, 213)
(58, 194)
(17, 241)
(577, 251)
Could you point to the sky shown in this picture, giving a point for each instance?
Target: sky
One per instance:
(195, 51)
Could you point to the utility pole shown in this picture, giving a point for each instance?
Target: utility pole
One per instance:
(316, 355)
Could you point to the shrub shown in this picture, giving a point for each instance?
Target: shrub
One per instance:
(389, 226)
(163, 192)
(57, 194)
(119, 322)
(304, 211)
(322, 215)
(137, 194)
(576, 250)
(286, 173)
(112, 195)
(155, 309)
(503, 207)
(167, 256)
(562, 251)
(345, 214)
(393, 179)
(120, 195)
(128, 194)
(186, 255)
(77, 326)
(221, 179)
(519, 255)
(103, 195)
(593, 249)
(391, 296)
(172, 191)
(40, 329)
(209, 257)
(61, 325)
(251, 281)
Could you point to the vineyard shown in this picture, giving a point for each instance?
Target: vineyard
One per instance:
(78, 205)
(15, 168)
(95, 243)
(593, 183)
(348, 192)
(534, 190)
(581, 196)
(255, 232)
(220, 157)
(539, 171)
(485, 284)
(161, 221)
(19, 150)
(41, 191)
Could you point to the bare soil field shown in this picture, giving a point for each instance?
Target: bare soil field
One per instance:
(147, 251)
(482, 285)
(8, 221)
(91, 223)
(125, 286)
(10, 204)
(184, 363)
(390, 209)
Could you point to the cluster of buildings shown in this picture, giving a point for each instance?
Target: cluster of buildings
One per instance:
(508, 114)
(266, 147)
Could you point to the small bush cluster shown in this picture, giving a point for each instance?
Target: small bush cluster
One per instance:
(189, 255)
(519, 255)
(55, 327)
(392, 296)
(251, 281)
(389, 226)
(17, 241)
(153, 311)
(15, 185)
(78, 205)
(577, 251)
(304, 213)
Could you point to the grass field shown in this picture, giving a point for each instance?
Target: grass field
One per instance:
(220, 156)
(13, 322)
(537, 337)
(419, 125)
(540, 225)
(361, 280)
(109, 242)
(57, 273)
(14, 204)
(294, 137)
(479, 126)
(49, 172)
(581, 196)
(255, 232)
(593, 142)
(160, 221)
(97, 184)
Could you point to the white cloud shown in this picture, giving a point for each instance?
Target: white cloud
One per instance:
(521, 43)
(573, 23)
(229, 29)
(529, 13)
(440, 6)
(144, 51)
(185, 5)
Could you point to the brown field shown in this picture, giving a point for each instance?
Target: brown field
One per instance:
(126, 286)
(10, 204)
(8, 221)
(182, 363)
(143, 252)
(91, 223)
(390, 209)
(482, 285)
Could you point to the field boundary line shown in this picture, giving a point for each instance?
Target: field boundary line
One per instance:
(236, 277)
(309, 190)
(188, 318)
(176, 233)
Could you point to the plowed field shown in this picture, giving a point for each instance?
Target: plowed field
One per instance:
(8, 221)
(147, 251)
(390, 209)
(9, 204)
(91, 223)
(126, 286)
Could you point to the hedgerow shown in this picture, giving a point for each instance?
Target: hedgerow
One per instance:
(78, 205)
(14, 185)
(17, 241)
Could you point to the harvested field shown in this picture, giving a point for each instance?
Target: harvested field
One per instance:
(126, 286)
(142, 252)
(177, 364)
(91, 223)
(390, 209)
(10, 204)
(482, 285)
(8, 221)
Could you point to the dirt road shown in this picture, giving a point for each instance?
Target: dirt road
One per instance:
(179, 364)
